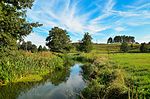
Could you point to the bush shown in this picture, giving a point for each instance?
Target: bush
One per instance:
(145, 48)
(124, 47)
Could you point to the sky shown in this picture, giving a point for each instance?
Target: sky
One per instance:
(101, 18)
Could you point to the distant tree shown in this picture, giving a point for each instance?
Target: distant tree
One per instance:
(132, 39)
(142, 47)
(23, 46)
(58, 39)
(86, 43)
(117, 39)
(110, 40)
(136, 42)
(33, 48)
(45, 49)
(145, 48)
(40, 48)
(121, 39)
(124, 47)
(29, 45)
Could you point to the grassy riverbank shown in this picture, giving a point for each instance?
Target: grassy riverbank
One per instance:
(109, 76)
(26, 66)
(117, 76)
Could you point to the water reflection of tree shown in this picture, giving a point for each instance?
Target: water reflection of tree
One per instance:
(59, 76)
(12, 90)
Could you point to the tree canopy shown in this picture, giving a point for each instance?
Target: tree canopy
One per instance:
(40, 48)
(110, 40)
(121, 39)
(58, 39)
(13, 23)
(86, 43)
(28, 46)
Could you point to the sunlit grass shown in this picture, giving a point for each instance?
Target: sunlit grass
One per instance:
(137, 67)
(21, 64)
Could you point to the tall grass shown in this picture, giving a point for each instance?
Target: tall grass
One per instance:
(21, 64)
(105, 81)
(117, 76)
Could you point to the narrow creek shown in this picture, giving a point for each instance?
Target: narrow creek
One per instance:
(58, 86)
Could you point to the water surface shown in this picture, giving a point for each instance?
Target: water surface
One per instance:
(60, 85)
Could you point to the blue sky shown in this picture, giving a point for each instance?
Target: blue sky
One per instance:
(101, 18)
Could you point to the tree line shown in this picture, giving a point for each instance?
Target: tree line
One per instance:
(28, 46)
(59, 41)
(121, 39)
(14, 27)
(144, 47)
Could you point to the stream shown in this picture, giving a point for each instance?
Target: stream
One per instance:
(60, 85)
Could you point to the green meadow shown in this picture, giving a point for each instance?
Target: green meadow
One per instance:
(137, 68)
(115, 75)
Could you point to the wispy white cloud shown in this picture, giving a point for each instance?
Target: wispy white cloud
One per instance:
(119, 29)
(68, 17)
(71, 15)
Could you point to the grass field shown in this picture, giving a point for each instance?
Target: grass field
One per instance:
(112, 48)
(109, 75)
(124, 74)
(137, 68)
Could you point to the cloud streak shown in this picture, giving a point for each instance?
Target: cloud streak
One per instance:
(79, 16)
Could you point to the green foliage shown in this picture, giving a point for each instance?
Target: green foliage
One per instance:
(110, 40)
(45, 49)
(21, 64)
(13, 24)
(34, 48)
(121, 39)
(145, 48)
(19, 4)
(40, 48)
(105, 80)
(86, 43)
(28, 46)
(58, 39)
(136, 66)
(116, 78)
(124, 47)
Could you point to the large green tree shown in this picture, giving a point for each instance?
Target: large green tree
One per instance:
(13, 23)
(86, 43)
(58, 39)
